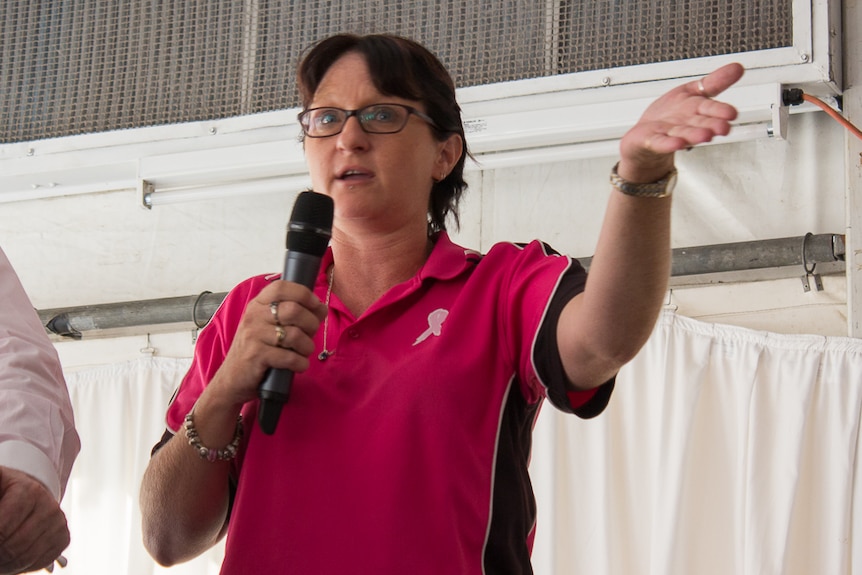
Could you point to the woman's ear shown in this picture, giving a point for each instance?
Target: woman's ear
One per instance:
(449, 154)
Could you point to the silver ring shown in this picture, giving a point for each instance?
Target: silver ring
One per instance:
(279, 335)
(702, 89)
(273, 308)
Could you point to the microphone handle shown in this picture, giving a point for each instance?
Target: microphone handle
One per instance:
(274, 391)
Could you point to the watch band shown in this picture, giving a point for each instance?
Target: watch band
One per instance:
(659, 189)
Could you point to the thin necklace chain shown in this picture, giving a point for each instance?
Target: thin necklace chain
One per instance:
(325, 353)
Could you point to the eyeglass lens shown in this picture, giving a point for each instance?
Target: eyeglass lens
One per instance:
(375, 119)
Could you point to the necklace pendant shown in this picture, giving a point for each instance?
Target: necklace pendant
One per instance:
(323, 355)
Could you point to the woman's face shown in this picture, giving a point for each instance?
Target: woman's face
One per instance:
(382, 181)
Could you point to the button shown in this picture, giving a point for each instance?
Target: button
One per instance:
(353, 333)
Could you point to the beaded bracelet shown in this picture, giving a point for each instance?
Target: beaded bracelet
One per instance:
(225, 454)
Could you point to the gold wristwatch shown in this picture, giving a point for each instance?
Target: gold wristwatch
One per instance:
(660, 189)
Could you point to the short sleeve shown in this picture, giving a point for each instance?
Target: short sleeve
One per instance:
(546, 355)
(211, 347)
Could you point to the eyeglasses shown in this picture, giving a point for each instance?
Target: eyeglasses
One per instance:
(373, 119)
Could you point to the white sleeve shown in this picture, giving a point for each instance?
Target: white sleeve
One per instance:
(37, 426)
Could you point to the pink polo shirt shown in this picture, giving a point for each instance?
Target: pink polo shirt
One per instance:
(407, 450)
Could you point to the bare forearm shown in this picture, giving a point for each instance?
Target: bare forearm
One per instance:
(629, 274)
(183, 504)
(605, 326)
(184, 499)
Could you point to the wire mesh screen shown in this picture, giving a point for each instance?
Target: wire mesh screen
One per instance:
(84, 66)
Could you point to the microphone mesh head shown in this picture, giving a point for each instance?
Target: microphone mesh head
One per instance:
(310, 225)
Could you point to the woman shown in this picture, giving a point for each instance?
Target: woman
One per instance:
(420, 365)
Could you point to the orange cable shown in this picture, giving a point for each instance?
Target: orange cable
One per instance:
(828, 109)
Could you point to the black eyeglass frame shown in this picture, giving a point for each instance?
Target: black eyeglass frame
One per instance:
(302, 117)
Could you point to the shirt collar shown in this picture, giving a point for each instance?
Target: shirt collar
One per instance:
(447, 260)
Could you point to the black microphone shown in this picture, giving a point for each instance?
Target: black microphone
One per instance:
(308, 233)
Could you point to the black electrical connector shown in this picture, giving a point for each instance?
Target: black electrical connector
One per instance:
(791, 96)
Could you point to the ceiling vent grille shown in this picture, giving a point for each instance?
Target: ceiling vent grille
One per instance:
(91, 66)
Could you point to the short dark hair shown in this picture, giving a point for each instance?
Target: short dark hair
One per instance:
(404, 68)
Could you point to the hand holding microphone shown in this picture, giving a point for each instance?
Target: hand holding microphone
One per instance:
(308, 234)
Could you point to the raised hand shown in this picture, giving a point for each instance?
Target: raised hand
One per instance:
(685, 116)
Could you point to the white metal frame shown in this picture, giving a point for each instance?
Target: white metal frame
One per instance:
(853, 163)
(542, 119)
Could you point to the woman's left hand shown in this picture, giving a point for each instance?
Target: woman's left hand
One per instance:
(683, 117)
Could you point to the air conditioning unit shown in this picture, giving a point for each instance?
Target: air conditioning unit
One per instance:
(548, 119)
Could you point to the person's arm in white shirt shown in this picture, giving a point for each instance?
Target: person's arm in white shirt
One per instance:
(37, 427)
(38, 441)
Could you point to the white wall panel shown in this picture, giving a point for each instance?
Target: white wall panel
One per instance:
(102, 248)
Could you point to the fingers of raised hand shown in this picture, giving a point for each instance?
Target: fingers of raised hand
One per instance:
(684, 117)
(716, 81)
(651, 143)
(697, 128)
(708, 120)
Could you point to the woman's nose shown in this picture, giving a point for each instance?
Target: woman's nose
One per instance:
(352, 136)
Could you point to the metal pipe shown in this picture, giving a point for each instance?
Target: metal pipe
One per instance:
(760, 254)
(72, 322)
(198, 309)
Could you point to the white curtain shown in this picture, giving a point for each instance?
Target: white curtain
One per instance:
(724, 451)
(119, 413)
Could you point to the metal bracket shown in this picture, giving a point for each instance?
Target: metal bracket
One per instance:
(809, 272)
(145, 191)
